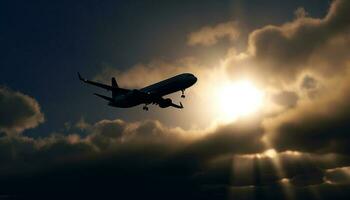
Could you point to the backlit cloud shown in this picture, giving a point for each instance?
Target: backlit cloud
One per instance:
(18, 111)
(209, 35)
(282, 50)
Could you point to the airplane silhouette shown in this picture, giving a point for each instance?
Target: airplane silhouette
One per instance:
(152, 94)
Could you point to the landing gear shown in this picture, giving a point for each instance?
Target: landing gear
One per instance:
(145, 108)
(183, 94)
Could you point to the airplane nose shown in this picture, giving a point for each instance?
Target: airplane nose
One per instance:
(194, 79)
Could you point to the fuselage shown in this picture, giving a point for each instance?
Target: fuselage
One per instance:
(135, 97)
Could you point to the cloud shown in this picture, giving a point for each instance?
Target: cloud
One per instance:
(340, 175)
(111, 134)
(304, 65)
(318, 125)
(209, 35)
(309, 83)
(280, 53)
(232, 138)
(147, 152)
(286, 98)
(159, 159)
(18, 111)
(237, 138)
(301, 12)
(244, 170)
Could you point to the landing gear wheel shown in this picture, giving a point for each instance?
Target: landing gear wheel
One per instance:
(183, 94)
(145, 108)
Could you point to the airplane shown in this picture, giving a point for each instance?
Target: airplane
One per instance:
(152, 94)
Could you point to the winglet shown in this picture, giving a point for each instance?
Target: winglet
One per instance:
(177, 106)
(81, 78)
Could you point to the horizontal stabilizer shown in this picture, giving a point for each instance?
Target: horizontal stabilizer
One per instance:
(104, 97)
(81, 78)
(114, 88)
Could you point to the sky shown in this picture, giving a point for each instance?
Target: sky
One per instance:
(268, 117)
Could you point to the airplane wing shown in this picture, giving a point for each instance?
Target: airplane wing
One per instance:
(107, 87)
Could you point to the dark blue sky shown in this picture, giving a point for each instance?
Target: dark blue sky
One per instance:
(44, 43)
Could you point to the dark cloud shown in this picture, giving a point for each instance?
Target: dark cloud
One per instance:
(241, 137)
(297, 168)
(18, 111)
(338, 175)
(149, 159)
(322, 191)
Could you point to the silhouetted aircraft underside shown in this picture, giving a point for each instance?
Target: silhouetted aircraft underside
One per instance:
(152, 94)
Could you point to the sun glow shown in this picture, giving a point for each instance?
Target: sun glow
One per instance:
(236, 99)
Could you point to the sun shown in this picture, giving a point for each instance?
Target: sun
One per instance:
(236, 99)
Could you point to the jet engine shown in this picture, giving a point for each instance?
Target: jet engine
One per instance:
(165, 103)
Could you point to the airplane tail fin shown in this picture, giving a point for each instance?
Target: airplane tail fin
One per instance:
(114, 85)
